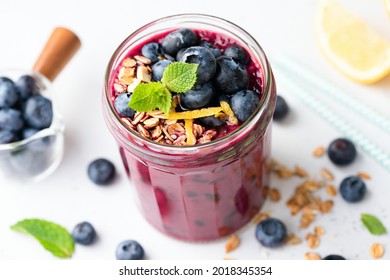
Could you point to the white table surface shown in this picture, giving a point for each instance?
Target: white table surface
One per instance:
(68, 197)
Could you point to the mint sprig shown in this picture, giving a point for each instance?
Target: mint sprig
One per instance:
(373, 224)
(53, 237)
(178, 77)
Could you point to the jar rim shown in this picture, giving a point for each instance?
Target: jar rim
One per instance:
(260, 110)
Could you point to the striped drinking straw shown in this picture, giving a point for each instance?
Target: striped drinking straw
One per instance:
(285, 69)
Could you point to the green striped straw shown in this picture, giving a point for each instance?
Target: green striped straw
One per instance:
(327, 88)
(313, 102)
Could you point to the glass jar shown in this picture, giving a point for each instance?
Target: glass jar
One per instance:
(207, 191)
(39, 155)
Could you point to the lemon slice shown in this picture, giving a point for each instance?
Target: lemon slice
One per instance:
(351, 45)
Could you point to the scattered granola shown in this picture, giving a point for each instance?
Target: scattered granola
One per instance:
(377, 250)
(312, 256)
(232, 243)
(364, 175)
(274, 195)
(327, 175)
(319, 231)
(319, 152)
(313, 241)
(331, 190)
(292, 239)
(300, 172)
(260, 217)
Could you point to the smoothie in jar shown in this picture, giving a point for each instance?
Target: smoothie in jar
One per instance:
(199, 165)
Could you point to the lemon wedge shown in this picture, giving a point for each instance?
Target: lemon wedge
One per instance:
(351, 45)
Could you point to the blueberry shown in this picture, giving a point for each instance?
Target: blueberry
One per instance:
(353, 189)
(129, 250)
(178, 39)
(238, 54)
(26, 86)
(121, 105)
(214, 50)
(204, 58)
(281, 109)
(11, 119)
(84, 233)
(38, 112)
(101, 171)
(152, 51)
(271, 232)
(224, 98)
(211, 121)
(197, 97)
(8, 93)
(334, 257)
(158, 69)
(230, 76)
(7, 136)
(28, 132)
(244, 103)
(342, 151)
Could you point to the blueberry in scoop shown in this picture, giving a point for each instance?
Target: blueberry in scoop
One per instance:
(230, 76)
(244, 103)
(204, 58)
(8, 93)
(178, 39)
(11, 120)
(38, 112)
(197, 97)
(26, 86)
(7, 136)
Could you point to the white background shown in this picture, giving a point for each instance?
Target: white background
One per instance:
(68, 197)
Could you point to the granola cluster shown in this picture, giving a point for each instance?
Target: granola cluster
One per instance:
(155, 125)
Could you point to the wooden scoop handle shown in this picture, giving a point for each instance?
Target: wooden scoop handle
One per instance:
(59, 49)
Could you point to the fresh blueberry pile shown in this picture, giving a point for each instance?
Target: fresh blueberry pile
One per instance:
(23, 111)
(222, 74)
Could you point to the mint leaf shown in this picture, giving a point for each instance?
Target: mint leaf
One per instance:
(373, 224)
(148, 97)
(179, 76)
(53, 237)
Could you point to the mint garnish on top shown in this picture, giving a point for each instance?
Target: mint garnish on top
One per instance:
(178, 77)
(53, 237)
(373, 224)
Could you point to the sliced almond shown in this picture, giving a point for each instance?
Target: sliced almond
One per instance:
(133, 85)
(143, 74)
(151, 122)
(129, 62)
(119, 88)
(232, 243)
(142, 59)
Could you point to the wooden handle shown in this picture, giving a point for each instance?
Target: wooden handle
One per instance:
(59, 49)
